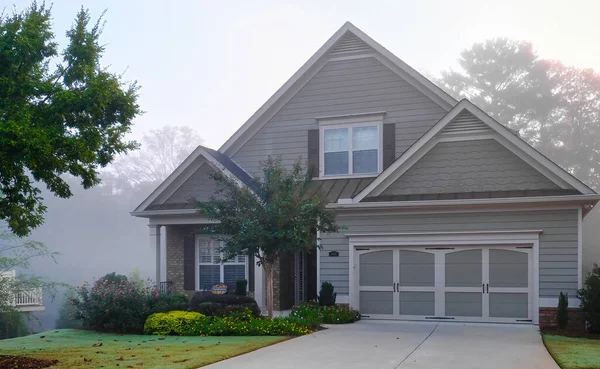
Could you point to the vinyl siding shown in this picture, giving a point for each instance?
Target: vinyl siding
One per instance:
(469, 166)
(198, 186)
(558, 241)
(341, 88)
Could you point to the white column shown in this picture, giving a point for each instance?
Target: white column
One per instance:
(155, 243)
(259, 286)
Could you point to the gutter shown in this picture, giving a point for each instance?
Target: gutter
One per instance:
(149, 213)
(459, 202)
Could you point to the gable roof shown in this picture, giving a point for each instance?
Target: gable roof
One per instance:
(345, 43)
(213, 158)
(457, 121)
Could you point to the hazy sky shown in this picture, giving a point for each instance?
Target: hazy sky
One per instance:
(210, 65)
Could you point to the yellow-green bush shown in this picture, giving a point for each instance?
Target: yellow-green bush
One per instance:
(180, 323)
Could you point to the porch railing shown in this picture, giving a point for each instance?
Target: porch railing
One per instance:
(165, 287)
(31, 297)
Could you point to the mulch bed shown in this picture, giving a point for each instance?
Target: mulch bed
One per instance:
(22, 362)
(573, 333)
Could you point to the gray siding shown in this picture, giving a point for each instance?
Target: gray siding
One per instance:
(198, 186)
(469, 166)
(558, 241)
(340, 88)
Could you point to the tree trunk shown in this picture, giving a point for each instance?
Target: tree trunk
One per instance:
(268, 266)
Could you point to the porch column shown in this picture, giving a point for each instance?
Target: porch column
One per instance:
(259, 286)
(155, 243)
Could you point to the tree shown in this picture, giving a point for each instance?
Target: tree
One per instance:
(66, 314)
(276, 217)
(68, 120)
(161, 152)
(554, 107)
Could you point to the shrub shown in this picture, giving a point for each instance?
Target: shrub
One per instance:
(240, 287)
(314, 314)
(162, 303)
(326, 295)
(180, 323)
(113, 303)
(562, 314)
(590, 299)
(222, 305)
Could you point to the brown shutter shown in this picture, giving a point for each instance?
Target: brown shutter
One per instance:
(189, 270)
(389, 144)
(313, 151)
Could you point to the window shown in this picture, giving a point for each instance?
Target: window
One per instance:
(210, 269)
(351, 150)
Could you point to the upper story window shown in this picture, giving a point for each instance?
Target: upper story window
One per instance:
(350, 149)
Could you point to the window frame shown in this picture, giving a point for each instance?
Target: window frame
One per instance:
(221, 265)
(350, 124)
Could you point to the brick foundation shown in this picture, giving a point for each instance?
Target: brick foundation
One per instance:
(576, 318)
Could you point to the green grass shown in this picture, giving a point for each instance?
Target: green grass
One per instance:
(573, 353)
(71, 347)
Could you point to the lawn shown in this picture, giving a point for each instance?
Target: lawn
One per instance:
(83, 349)
(574, 353)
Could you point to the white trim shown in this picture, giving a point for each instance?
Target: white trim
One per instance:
(259, 285)
(346, 176)
(459, 210)
(284, 93)
(151, 213)
(154, 233)
(426, 142)
(579, 248)
(350, 124)
(375, 117)
(221, 265)
(474, 239)
(353, 57)
(489, 201)
(180, 219)
(574, 302)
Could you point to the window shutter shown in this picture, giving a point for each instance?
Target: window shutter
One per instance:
(313, 151)
(189, 262)
(389, 144)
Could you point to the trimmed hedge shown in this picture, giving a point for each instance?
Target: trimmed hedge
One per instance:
(222, 305)
(237, 324)
(317, 314)
(180, 323)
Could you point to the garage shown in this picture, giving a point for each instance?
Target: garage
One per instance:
(475, 283)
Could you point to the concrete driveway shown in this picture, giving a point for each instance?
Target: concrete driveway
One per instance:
(405, 345)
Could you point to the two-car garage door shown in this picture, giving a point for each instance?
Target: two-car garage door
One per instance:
(487, 284)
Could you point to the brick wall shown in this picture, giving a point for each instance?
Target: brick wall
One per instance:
(576, 318)
(174, 246)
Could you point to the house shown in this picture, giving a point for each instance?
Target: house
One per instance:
(26, 301)
(448, 214)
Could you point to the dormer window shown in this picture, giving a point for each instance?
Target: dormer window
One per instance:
(351, 146)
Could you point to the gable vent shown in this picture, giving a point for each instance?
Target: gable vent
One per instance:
(349, 44)
(465, 123)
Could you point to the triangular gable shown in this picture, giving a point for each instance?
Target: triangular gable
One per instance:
(347, 42)
(194, 166)
(467, 119)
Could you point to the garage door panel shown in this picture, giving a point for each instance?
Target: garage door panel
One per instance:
(417, 303)
(508, 268)
(464, 268)
(377, 269)
(467, 304)
(376, 302)
(509, 305)
(417, 268)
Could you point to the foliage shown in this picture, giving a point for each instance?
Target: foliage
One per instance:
(165, 302)
(114, 303)
(70, 120)
(562, 312)
(590, 299)
(180, 323)
(17, 253)
(161, 152)
(12, 324)
(222, 305)
(66, 314)
(326, 295)
(241, 287)
(242, 323)
(556, 108)
(316, 314)
(272, 215)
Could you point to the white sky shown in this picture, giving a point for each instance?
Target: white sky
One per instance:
(212, 64)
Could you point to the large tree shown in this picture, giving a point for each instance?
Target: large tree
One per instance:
(554, 107)
(68, 119)
(274, 217)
